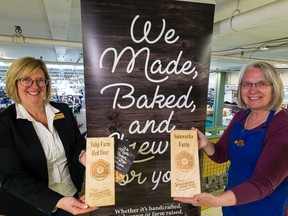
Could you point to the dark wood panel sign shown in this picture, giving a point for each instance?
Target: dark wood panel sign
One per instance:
(146, 66)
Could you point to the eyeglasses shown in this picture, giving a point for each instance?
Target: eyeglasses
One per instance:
(259, 85)
(27, 82)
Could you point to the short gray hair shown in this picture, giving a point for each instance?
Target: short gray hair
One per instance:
(270, 73)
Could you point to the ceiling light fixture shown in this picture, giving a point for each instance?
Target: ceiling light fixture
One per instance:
(281, 66)
(263, 48)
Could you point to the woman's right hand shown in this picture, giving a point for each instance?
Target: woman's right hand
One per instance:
(82, 158)
(202, 140)
(74, 206)
(204, 143)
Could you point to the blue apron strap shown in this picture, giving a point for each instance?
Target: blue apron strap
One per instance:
(271, 115)
(244, 116)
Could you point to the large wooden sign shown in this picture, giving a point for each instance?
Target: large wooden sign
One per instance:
(146, 66)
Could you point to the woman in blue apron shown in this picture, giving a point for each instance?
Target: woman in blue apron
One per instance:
(256, 143)
(249, 144)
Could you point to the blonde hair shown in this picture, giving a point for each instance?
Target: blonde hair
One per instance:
(24, 67)
(271, 75)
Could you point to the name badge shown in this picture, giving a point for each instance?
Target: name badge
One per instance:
(59, 116)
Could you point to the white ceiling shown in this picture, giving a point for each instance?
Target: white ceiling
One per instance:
(257, 23)
(51, 29)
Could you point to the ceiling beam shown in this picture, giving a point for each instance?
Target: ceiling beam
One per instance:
(58, 16)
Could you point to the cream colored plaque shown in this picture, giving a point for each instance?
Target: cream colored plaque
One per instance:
(185, 173)
(100, 184)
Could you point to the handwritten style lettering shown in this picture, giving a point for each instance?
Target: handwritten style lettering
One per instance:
(156, 67)
(149, 148)
(162, 127)
(147, 27)
(159, 100)
(156, 72)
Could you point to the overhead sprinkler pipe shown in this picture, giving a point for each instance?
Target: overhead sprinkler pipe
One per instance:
(261, 15)
(20, 39)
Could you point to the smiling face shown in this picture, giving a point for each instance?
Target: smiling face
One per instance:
(34, 95)
(257, 98)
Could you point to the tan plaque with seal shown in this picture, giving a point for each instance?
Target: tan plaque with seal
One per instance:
(185, 173)
(100, 181)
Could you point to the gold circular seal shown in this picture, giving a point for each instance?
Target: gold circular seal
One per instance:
(185, 161)
(100, 169)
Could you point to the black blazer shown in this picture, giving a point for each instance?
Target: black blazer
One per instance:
(23, 168)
